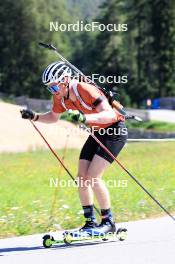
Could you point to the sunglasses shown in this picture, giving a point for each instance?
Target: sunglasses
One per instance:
(53, 89)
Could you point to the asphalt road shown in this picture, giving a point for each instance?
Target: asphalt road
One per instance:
(149, 242)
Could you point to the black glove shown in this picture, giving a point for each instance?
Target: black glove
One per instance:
(27, 114)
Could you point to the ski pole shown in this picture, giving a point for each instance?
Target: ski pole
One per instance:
(122, 166)
(57, 157)
(109, 94)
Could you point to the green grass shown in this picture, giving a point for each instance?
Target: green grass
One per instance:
(26, 196)
(156, 126)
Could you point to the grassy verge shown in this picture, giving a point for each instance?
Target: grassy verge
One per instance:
(155, 126)
(26, 195)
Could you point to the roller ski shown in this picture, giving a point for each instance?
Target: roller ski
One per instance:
(106, 231)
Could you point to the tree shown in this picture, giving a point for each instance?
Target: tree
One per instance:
(145, 52)
(22, 61)
(106, 52)
(163, 30)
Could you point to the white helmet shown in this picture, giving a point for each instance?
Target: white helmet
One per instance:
(55, 72)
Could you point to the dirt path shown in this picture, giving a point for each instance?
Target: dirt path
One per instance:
(18, 135)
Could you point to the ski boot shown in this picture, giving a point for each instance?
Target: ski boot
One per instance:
(89, 224)
(105, 231)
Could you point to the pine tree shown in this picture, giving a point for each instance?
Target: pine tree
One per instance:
(107, 56)
(22, 61)
(163, 30)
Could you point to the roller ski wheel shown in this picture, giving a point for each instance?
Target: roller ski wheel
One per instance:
(105, 239)
(48, 241)
(67, 238)
(75, 236)
(121, 234)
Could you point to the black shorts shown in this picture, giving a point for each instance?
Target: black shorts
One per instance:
(113, 137)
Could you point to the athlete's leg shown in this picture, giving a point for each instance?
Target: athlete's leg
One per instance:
(94, 173)
(84, 188)
(101, 161)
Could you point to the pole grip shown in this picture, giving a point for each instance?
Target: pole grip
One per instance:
(118, 107)
(47, 46)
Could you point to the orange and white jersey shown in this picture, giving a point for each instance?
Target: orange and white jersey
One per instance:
(87, 99)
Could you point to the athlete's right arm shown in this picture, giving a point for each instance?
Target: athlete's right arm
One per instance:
(49, 117)
(53, 115)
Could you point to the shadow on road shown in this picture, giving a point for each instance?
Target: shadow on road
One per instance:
(55, 247)
(18, 249)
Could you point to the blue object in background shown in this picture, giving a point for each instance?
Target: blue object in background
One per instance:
(156, 104)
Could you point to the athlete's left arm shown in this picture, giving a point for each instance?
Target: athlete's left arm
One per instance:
(105, 114)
